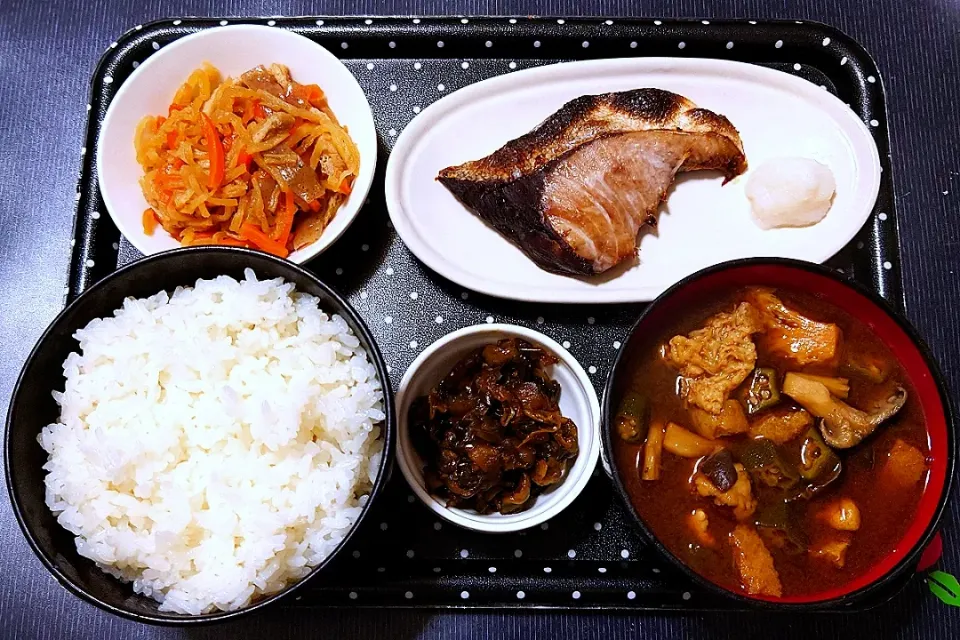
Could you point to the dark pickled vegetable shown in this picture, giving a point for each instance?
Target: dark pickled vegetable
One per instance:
(762, 390)
(491, 434)
(719, 470)
(763, 460)
(514, 500)
(631, 421)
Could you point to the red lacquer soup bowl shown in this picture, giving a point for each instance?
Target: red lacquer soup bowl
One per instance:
(888, 326)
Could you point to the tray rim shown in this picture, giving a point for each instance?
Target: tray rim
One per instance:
(511, 23)
(889, 283)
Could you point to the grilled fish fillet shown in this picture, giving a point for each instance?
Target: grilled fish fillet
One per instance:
(574, 192)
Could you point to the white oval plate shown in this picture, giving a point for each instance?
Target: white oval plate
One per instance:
(702, 223)
(232, 50)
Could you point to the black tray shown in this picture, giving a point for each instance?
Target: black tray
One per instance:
(588, 557)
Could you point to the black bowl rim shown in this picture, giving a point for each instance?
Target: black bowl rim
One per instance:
(388, 433)
(910, 558)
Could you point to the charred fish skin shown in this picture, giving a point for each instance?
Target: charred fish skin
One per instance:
(513, 209)
(507, 189)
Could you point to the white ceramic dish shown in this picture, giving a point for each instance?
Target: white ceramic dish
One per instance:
(701, 223)
(578, 401)
(233, 50)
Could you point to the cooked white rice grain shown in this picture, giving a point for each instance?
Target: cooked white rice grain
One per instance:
(216, 444)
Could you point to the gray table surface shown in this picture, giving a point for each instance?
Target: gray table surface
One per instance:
(48, 51)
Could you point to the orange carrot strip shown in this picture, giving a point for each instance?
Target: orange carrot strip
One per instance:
(243, 159)
(308, 92)
(149, 221)
(233, 242)
(214, 151)
(262, 241)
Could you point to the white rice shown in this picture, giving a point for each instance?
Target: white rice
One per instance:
(216, 444)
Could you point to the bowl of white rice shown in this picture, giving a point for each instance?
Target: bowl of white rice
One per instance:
(197, 435)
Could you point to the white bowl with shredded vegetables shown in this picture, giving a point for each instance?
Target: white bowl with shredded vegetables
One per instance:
(293, 148)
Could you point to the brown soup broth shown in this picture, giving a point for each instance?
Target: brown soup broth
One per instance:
(665, 503)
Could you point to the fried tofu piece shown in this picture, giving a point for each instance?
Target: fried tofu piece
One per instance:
(699, 524)
(793, 336)
(833, 551)
(754, 563)
(731, 421)
(905, 465)
(715, 359)
(740, 495)
(781, 425)
(842, 515)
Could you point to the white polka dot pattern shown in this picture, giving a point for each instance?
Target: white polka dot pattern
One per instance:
(407, 310)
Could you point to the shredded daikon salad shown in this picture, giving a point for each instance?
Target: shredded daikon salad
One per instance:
(259, 161)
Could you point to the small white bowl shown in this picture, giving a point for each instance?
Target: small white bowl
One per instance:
(233, 50)
(578, 401)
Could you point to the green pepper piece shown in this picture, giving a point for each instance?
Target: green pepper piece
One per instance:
(763, 391)
(631, 421)
(870, 368)
(819, 465)
(816, 457)
(762, 459)
(778, 521)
